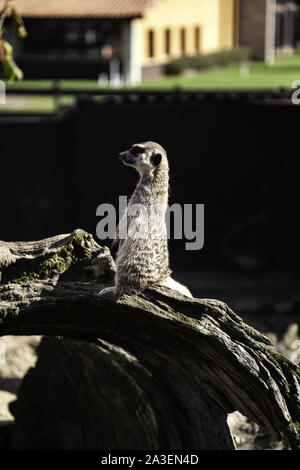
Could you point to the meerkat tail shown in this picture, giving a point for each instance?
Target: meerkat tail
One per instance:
(174, 285)
(109, 292)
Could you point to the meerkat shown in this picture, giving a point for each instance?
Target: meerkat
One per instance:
(143, 256)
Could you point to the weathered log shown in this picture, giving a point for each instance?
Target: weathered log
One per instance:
(153, 371)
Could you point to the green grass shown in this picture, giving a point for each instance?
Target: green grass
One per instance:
(260, 76)
(46, 84)
(33, 104)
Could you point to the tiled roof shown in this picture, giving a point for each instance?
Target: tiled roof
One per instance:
(82, 8)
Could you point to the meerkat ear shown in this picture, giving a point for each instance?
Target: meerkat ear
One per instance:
(155, 159)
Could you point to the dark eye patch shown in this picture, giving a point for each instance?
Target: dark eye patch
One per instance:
(136, 150)
(155, 159)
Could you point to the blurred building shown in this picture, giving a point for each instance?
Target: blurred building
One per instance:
(267, 26)
(132, 37)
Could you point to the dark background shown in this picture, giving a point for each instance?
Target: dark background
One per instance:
(238, 157)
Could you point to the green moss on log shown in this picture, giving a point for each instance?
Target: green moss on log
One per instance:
(76, 253)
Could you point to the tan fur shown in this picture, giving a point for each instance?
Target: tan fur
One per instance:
(144, 261)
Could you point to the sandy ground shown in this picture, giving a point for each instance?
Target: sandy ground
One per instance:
(17, 355)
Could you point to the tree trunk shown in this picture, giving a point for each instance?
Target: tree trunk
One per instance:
(154, 371)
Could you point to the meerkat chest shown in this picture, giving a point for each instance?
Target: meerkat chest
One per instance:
(146, 215)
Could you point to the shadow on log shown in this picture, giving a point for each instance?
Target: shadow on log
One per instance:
(154, 371)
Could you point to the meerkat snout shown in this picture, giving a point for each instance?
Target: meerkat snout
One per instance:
(126, 158)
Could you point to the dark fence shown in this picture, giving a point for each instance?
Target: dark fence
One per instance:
(235, 153)
(60, 67)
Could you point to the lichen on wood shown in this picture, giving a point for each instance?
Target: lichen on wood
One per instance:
(157, 370)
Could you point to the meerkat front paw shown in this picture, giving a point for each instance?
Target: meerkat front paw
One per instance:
(109, 292)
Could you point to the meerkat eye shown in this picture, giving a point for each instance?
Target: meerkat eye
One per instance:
(137, 150)
(155, 159)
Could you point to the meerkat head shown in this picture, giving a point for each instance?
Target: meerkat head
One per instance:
(146, 157)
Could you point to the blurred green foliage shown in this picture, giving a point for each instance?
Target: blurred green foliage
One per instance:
(238, 55)
(9, 69)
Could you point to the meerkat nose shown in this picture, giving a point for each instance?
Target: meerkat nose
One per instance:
(122, 155)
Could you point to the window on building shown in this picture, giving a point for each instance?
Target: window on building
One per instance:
(197, 39)
(167, 41)
(183, 40)
(151, 51)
